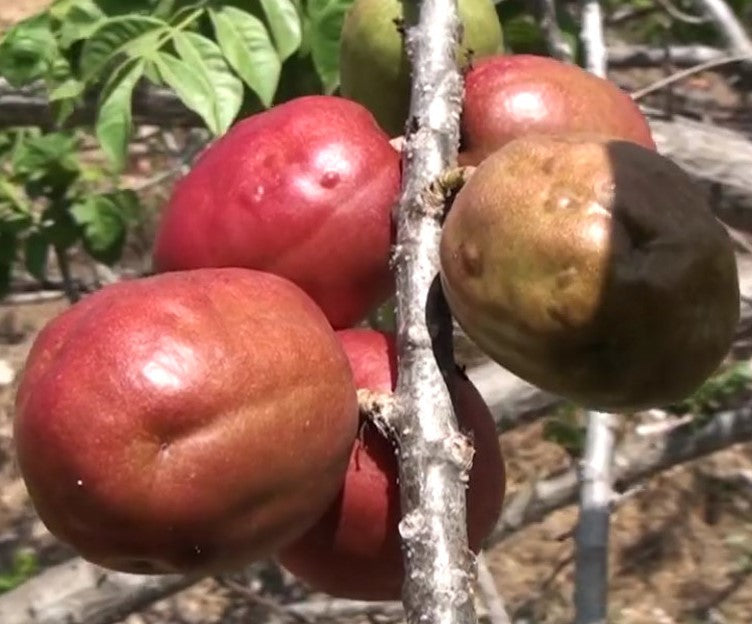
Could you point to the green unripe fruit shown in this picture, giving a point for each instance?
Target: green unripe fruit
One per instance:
(374, 68)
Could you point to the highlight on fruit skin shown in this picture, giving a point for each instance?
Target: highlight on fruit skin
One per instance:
(507, 97)
(354, 550)
(189, 422)
(303, 190)
(374, 68)
(592, 268)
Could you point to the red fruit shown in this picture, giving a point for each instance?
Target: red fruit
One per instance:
(187, 422)
(511, 96)
(354, 550)
(303, 190)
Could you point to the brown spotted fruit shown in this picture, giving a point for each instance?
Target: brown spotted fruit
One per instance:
(354, 550)
(592, 268)
(303, 190)
(507, 97)
(188, 422)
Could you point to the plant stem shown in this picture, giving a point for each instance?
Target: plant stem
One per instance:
(69, 284)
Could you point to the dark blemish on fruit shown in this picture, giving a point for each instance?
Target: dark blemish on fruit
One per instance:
(547, 166)
(330, 179)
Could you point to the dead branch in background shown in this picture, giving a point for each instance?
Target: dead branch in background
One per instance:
(556, 44)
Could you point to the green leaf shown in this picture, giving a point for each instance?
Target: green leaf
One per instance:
(565, 429)
(13, 221)
(326, 19)
(522, 35)
(114, 120)
(24, 563)
(284, 22)
(78, 20)
(11, 194)
(58, 227)
(40, 156)
(188, 85)
(36, 248)
(103, 227)
(27, 51)
(205, 58)
(65, 90)
(132, 35)
(247, 47)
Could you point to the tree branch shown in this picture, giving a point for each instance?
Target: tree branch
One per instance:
(712, 155)
(591, 538)
(433, 456)
(591, 34)
(728, 25)
(556, 44)
(623, 55)
(78, 592)
(639, 457)
(497, 610)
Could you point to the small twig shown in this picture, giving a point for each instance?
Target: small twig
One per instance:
(557, 45)
(338, 609)
(497, 611)
(650, 56)
(69, 284)
(728, 25)
(267, 603)
(41, 296)
(78, 592)
(664, 82)
(680, 15)
(194, 146)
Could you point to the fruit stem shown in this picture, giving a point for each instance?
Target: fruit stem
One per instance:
(440, 193)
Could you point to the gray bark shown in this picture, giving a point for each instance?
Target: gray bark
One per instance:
(433, 456)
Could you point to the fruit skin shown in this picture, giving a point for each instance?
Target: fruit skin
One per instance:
(304, 190)
(592, 268)
(354, 550)
(374, 68)
(507, 97)
(187, 422)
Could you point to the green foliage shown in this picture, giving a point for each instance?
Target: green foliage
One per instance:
(24, 566)
(219, 56)
(48, 204)
(565, 428)
(716, 393)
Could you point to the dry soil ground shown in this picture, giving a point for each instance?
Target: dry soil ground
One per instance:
(681, 548)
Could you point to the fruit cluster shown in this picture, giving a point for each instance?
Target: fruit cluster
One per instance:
(207, 416)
